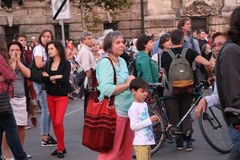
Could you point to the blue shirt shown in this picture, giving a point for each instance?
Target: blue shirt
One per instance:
(155, 48)
(104, 74)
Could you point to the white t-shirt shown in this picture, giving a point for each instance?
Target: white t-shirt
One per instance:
(39, 50)
(141, 124)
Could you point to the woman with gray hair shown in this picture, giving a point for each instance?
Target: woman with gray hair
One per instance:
(114, 46)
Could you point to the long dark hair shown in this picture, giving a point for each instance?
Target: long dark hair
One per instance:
(3, 48)
(59, 47)
(234, 31)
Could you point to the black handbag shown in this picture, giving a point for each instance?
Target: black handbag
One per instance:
(80, 77)
(36, 73)
(5, 106)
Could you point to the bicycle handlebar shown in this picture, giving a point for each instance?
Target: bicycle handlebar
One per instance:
(154, 85)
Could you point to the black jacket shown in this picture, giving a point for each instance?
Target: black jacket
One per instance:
(62, 86)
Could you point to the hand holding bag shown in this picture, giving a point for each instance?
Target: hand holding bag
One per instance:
(100, 120)
(5, 106)
(36, 73)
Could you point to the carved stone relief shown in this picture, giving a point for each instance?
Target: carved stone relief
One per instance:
(198, 8)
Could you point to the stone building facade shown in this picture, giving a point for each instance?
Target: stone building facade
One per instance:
(159, 16)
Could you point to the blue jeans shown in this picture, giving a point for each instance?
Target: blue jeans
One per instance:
(235, 137)
(8, 124)
(45, 117)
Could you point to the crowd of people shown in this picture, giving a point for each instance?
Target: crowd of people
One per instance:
(67, 73)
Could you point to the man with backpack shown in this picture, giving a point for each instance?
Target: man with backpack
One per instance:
(184, 24)
(176, 64)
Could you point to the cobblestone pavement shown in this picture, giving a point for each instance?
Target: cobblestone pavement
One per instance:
(75, 150)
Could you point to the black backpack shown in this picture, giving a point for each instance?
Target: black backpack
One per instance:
(132, 67)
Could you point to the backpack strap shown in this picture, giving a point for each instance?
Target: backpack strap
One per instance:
(184, 52)
(170, 52)
(192, 42)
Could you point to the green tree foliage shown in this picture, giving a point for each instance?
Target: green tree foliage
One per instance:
(8, 3)
(90, 18)
(106, 4)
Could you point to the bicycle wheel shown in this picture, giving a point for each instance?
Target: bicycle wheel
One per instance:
(158, 131)
(214, 129)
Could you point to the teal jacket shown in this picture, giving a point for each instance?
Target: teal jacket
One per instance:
(104, 74)
(146, 67)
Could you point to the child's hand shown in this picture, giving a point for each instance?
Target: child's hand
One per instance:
(154, 118)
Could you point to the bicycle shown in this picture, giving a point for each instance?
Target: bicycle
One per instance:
(210, 122)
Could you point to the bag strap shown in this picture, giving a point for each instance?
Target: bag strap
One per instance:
(114, 71)
(184, 52)
(170, 52)
(111, 102)
(192, 42)
(159, 60)
(95, 83)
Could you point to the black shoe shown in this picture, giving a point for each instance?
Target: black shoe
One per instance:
(50, 138)
(55, 152)
(179, 147)
(60, 154)
(189, 146)
(50, 142)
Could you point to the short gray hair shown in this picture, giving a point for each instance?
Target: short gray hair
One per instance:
(109, 39)
(85, 34)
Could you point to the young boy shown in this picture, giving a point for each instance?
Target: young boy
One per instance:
(140, 121)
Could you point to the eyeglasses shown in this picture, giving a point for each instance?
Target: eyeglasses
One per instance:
(217, 45)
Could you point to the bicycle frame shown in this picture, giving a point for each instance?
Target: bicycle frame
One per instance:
(164, 112)
(165, 128)
(190, 110)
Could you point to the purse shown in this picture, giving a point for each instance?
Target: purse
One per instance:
(5, 106)
(100, 120)
(36, 73)
(80, 77)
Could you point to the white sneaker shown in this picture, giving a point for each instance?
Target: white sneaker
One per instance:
(8, 159)
(29, 156)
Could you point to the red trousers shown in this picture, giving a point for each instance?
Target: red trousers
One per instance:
(57, 106)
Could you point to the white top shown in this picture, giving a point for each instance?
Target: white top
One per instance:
(86, 61)
(85, 58)
(39, 50)
(141, 124)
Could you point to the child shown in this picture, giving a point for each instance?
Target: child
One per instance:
(140, 121)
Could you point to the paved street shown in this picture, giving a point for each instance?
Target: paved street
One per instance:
(75, 151)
